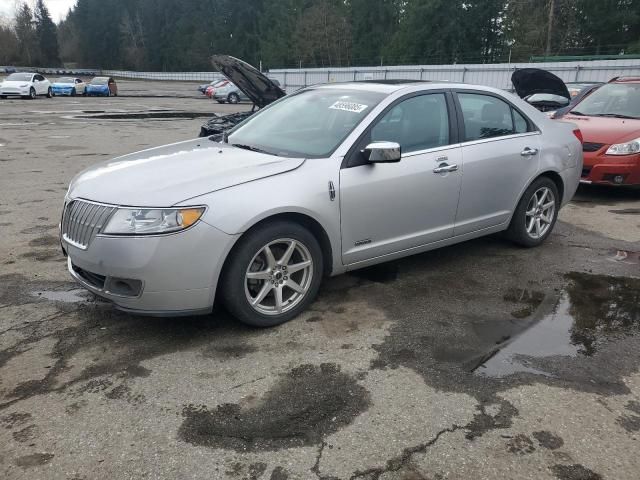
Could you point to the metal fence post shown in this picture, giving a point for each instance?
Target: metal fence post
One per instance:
(577, 77)
(285, 80)
(464, 73)
(305, 78)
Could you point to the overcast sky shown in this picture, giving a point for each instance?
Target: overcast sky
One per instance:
(58, 8)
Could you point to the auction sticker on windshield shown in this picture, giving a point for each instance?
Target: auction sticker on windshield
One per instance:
(349, 106)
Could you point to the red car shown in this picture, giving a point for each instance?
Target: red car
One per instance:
(609, 119)
(211, 89)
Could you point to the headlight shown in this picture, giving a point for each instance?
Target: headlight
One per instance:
(141, 221)
(628, 148)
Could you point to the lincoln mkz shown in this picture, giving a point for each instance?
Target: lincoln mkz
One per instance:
(329, 179)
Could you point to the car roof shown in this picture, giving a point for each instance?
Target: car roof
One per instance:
(625, 80)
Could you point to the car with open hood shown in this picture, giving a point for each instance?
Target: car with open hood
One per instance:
(326, 180)
(26, 85)
(71, 86)
(541, 88)
(609, 119)
(254, 85)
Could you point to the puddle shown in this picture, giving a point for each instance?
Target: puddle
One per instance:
(66, 296)
(590, 310)
(158, 115)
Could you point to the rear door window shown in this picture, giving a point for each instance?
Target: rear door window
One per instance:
(486, 116)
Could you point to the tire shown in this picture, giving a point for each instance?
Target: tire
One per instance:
(233, 98)
(73, 92)
(220, 101)
(32, 94)
(249, 257)
(50, 93)
(3, 97)
(108, 93)
(532, 223)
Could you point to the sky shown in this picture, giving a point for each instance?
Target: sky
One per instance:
(57, 8)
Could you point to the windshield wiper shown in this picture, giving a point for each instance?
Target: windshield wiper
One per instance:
(616, 115)
(251, 148)
(579, 114)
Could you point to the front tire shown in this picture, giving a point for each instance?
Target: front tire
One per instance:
(233, 98)
(49, 92)
(536, 214)
(32, 93)
(73, 92)
(273, 274)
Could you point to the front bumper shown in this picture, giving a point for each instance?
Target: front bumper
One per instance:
(608, 170)
(176, 274)
(62, 91)
(14, 91)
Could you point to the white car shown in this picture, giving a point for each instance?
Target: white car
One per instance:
(26, 85)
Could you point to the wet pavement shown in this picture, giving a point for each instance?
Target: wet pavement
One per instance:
(481, 360)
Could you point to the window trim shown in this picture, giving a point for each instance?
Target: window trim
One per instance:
(532, 128)
(351, 159)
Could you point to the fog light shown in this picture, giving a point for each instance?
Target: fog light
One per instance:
(618, 179)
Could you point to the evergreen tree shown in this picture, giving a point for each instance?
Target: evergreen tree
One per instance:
(28, 49)
(47, 34)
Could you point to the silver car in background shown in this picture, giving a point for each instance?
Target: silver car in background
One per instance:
(330, 179)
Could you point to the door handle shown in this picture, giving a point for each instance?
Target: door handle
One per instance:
(445, 168)
(529, 152)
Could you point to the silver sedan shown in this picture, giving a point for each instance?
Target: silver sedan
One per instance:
(330, 179)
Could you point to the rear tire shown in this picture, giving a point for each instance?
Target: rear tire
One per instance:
(536, 214)
(50, 93)
(264, 290)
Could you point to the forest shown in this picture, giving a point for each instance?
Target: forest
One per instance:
(180, 35)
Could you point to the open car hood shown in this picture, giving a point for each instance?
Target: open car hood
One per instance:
(253, 83)
(531, 81)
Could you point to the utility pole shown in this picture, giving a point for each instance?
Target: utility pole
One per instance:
(552, 4)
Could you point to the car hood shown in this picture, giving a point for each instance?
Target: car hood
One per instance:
(165, 176)
(91, 85)
(605, 130)
(253, 83)
(12, 83)
(529, 81)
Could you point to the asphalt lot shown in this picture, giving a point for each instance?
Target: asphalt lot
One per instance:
(481, 360)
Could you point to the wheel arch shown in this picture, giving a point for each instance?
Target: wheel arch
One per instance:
(551, 175)
(306, 221)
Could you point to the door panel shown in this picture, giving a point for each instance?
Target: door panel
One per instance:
(500, 154)
(495, 173)
(391, 207)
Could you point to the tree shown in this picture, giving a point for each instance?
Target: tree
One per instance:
(373, 22)
(28, 49)
(47, 34)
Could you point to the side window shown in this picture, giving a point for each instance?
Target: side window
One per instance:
(520, 123)
(417, 123)
(78, 80)
(40, 78)
(487, 117)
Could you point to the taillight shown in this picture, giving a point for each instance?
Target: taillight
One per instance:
(578, 135)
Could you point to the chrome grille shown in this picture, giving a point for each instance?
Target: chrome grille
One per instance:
(82, 221)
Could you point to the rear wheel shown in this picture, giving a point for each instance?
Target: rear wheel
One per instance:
(536, 214)
(233, 98)
(49, 92)
(32, 93)
(273, 275)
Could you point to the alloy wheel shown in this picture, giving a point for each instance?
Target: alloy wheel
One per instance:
(279, 276)
(540, 213)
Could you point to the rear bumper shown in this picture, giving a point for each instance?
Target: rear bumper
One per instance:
(170, 275)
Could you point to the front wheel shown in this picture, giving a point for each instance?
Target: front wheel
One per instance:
(32, 93)
(536, 214)
(273, 274)
(233, 98)
(49, 93)
(73, 92)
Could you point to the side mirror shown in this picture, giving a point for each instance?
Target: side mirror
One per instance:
(383, 152)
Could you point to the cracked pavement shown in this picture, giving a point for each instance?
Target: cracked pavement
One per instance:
(481, 360)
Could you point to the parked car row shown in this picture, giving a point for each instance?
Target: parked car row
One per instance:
(32, 85)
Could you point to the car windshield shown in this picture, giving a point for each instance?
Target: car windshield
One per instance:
(99, 81)
(219, 83)
(612, 100)
(19, 77)
(67, 80)
(309, 124)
